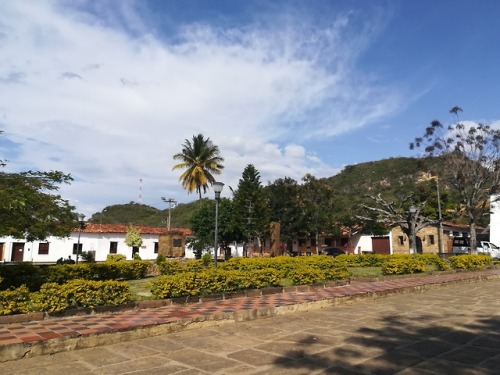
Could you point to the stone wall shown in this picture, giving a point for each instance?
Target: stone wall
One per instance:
(172, 244)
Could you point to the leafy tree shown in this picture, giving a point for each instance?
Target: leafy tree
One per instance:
(201, 160)
(471, 158)
(203, 225)
(134, 240)
(283, 198)
(318, 206)
(397, 214)
(30, 209)
(250, 206)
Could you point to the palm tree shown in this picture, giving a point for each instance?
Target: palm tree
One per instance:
(201, 159)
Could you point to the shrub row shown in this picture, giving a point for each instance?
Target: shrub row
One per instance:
(470, 261)
(213, 281)
(391, 264)
(54, 297)
(33, 276)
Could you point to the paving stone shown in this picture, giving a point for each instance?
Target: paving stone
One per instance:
(450, 326)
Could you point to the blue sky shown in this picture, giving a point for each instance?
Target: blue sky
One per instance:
(109, 90)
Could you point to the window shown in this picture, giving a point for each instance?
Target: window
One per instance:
(156, 247)
(43, 248)
(113, 247)
(401, 240)
(177, 242)
(75, 246)
(431, 239)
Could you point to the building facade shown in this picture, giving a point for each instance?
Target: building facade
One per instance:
(98, 239)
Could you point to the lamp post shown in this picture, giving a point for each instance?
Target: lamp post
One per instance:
(80, 224)
(171, 203)
(412, 210)
(217, 189)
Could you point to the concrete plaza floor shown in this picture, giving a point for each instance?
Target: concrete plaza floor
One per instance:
(451, 327)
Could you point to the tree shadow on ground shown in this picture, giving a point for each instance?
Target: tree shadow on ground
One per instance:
(404, 346)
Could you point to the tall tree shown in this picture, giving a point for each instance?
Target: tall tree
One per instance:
(203, 225)
(250, 206)
(318, 207)
(471, 156)
(201, 160)
(283, 197)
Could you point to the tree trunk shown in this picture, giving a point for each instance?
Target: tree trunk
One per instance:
(473, 236)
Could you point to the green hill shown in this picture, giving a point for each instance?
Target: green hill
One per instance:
(140, 214)
(390, 177)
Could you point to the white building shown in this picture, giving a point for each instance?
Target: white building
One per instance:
(101, 239)
(495, 219)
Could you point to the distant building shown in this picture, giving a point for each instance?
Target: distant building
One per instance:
(99, 239)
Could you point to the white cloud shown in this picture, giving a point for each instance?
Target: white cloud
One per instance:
(85, 96)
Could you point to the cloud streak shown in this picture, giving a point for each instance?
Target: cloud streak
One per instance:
(112, 104)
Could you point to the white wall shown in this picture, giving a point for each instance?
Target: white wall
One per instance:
(495, 220)
(63, 247)
(361, 243)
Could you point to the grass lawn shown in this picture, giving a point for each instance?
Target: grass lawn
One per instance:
(365, 271)
(140, 289)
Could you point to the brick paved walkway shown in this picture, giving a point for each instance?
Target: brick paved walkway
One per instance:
(34, 338)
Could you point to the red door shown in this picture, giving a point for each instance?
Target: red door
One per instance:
(17, 252)
(381, 245)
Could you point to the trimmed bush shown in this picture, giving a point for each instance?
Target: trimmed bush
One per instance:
(469, 261)
(53, 297)
(403, 264)
(15, 301)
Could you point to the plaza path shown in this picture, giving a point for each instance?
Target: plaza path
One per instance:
(438, 324)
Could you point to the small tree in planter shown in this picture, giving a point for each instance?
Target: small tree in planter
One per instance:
(134, 240)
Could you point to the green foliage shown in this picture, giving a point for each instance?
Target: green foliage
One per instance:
(30, 207)
(470, 261)
(133, 237)
(15, 301)
(143, 215)
(171, 267)
(283, 199)
(160, 258)
(434, 259)
(15, 275)
(110, 258)
(203, 224)
(81, 293)
(250, 217)
(245, 273)
(206, 259)
(88, 256)
(200, 160)
(403, 265)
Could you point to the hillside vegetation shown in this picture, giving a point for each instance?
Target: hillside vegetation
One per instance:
(389, 177)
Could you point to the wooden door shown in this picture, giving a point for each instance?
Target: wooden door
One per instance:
(17, 252)
(381, 245)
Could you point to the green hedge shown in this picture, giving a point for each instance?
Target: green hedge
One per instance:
(33, 276)
(54, 297)
(470, 261)
(403, 264)
(245, 274)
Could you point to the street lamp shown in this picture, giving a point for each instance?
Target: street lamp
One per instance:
(80, 225)
(413, 217)
(217, 189)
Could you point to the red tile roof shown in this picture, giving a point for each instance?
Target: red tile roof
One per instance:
(122, 228)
